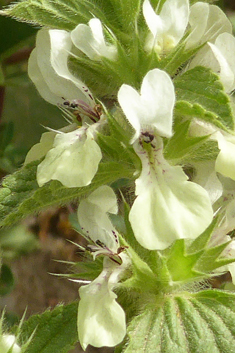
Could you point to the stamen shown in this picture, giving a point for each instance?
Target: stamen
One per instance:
(80, 107)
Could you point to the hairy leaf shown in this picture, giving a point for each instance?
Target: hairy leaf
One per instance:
(181, 145)
(186, 323)
(63, 14)
(54, 331)
(20, 195)
(200, 94)
(67, 14)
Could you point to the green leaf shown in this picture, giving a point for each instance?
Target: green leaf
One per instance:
(201, 242)
(185, 262)
(176, 59)
(20, 195)
(200, 322)
(67, 14)
(180, 145)
(200, 94)
(195, 260)
(16, 188)
(116, 146)
(127, 12)
(210, 259)
(87, 270)
(62, 14)
(55, 331)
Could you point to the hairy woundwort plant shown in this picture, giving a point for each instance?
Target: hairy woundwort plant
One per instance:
(149, 153)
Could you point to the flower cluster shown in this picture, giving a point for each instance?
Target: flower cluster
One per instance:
(169, 204)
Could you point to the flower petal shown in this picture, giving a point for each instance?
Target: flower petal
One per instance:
(198, 18)
(229, 222)
(169, 26)
(73, 160)
(46, 143)
(154, 21)
(90, 40)
(168, 207)
(36, 76)
(175, 16)
(207, 178)
(40, 149)
(225, 162)
(51, 57)
(207, 22)
(205, 57)
(101, 320)
(226, 44)
(93, 217)
(210, 56)
(224, 51)
(229, 252)
(8, 344)
(225, 72)
(153, 107)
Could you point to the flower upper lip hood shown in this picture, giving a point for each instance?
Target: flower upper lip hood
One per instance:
(169, 26)
(153, 106)
(48, 68)
(90, 40)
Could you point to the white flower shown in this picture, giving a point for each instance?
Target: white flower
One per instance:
(207, 178)
(8, 344)
(167, 207)
(204, 170)
(90, 40)
(225, 161)
(229, 252)
(220, 58)
(93, 216)
(206, 23)
(70, 157)
(101, 320)
(48, 68)
(153, 106)
(73, 160)
(168, 27)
